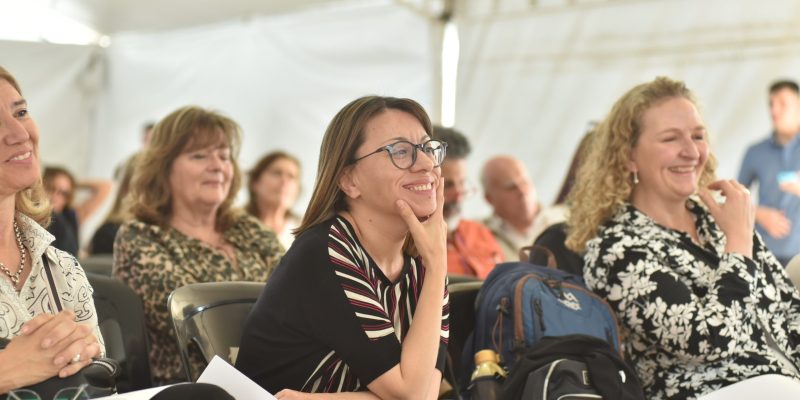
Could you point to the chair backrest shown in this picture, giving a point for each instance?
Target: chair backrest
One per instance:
(100, 264)
(462, 322)
(212, 316)
(121, 318)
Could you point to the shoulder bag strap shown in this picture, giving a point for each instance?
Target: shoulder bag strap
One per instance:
(51, 282)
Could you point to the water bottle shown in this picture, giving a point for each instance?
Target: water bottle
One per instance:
(488, 374)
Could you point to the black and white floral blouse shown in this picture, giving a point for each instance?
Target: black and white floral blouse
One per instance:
(696, 318)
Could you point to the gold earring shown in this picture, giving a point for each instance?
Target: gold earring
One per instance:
(635, 177)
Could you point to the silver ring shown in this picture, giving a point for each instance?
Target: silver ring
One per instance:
(77, 358)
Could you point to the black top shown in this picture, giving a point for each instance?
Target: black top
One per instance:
(103, 239)
(328, 319)
(64, 226)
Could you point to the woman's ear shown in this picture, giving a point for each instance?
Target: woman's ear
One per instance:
(348, 183)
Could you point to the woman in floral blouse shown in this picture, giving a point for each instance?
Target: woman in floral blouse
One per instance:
(704, 304)
(185, 229)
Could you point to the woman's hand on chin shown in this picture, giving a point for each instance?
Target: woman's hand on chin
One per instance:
(735, 217)
(430, 235)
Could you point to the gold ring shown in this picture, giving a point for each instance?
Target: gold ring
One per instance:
(77, 358)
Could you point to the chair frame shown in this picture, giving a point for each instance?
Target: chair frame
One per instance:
(185, 304)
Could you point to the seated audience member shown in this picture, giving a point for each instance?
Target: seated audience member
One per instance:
(702, 301)
(471, 248)
(103, 238)
(559, 212)
(359, 302)
(274, 184)
(185, 230)
(550, 228)
(42, 342)
(508, 188)
(61, 186)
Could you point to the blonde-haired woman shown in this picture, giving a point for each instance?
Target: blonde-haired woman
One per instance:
(47, 316)
(704, 304)
(337, 314)
(185, 230)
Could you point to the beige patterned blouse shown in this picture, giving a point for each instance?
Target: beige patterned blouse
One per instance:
(154, 261)
(35, 296)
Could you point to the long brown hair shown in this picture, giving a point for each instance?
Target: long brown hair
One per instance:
(185, 129)
(604, 181)
(32, 201)
(344, 136)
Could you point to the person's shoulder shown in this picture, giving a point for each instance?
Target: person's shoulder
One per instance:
(762, 145)
(135, 231)
(318, 237)
(473, 228)
(248, 229)
(61, 261)
(629, 226)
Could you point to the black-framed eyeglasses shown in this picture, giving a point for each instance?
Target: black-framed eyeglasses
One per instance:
(404, 153)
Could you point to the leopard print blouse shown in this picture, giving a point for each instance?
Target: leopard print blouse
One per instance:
(154, 261)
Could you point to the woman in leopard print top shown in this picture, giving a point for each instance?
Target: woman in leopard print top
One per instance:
(185, 229)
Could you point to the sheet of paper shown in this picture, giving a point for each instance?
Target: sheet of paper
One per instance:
(144, 394)
(224, 375)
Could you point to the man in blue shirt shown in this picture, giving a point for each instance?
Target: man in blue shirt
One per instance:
(775, 164)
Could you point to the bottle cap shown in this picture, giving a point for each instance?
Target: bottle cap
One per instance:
(485, 356)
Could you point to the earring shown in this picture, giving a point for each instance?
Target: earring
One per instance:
(635, 177)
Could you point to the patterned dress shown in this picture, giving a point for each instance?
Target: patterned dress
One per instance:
(35, 296)
(696, 318)
(154, 261)
(329, 320)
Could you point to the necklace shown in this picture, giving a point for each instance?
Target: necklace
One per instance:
(22, 253)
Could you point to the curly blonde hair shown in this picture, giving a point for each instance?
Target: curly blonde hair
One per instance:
(604, 181)
(31, 201)
(185, 129)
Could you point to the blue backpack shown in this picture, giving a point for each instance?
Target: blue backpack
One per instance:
(521, 303)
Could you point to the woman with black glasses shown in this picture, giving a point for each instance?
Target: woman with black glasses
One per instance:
(369, 258)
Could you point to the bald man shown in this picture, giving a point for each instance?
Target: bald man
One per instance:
(508, 188)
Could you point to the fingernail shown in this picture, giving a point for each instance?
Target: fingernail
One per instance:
(25, 329)
(59, 360)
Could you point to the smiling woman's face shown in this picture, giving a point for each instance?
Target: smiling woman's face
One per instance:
(201, 177)
(19, 143)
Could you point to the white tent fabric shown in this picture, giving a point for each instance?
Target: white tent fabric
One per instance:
(282, 78)
(60, 90)
(530, 81)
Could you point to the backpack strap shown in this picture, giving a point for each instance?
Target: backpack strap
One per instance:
(51, 283)
(526, 252)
